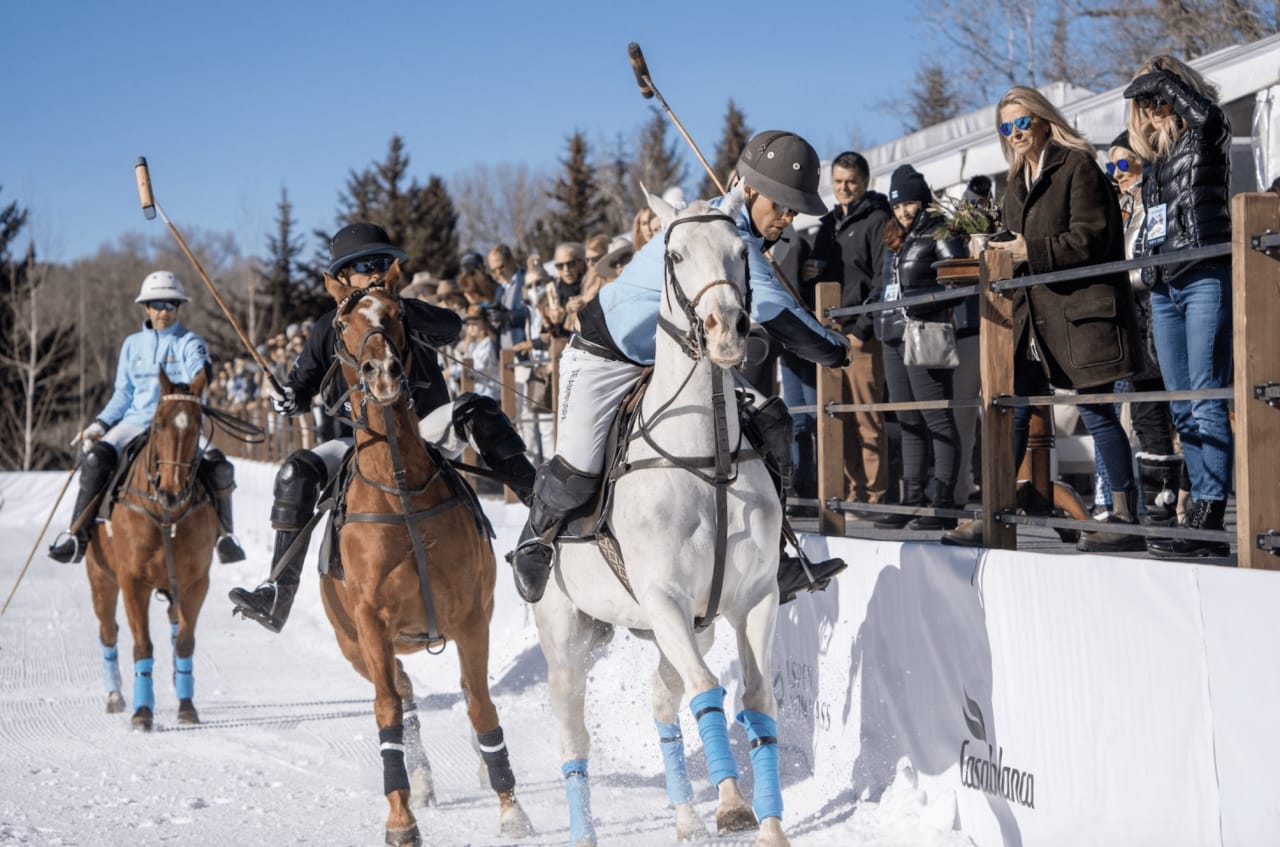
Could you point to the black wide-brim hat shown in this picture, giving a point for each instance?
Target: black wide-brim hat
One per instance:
(355, 241)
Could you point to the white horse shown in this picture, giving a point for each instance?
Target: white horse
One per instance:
(666, 519)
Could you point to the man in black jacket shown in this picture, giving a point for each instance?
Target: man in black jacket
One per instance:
(849, 249)
(361, 255)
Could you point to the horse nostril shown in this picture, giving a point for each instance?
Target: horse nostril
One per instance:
(744, 323)
(710, 323)
(394, 369)
(368, 370)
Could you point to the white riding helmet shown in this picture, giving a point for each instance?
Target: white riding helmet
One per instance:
(161, 285)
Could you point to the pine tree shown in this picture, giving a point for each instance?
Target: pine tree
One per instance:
(434, 245)
(733, 138)
(931, 98)
(658, 164)
(289, 292)
(581, 209)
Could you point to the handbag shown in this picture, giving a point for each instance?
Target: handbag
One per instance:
(929, 344)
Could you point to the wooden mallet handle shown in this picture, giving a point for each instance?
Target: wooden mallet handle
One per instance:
(641, 68)
(143, 176)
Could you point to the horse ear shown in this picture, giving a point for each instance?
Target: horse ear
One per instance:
(733, 201)
(166, 386)
(335, 288)
(664, 210)
(394, 280)
(198, 384)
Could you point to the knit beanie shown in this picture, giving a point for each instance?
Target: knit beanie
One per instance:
(907, 185)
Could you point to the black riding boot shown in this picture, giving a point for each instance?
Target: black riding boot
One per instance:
(95, 473)
(792, 578)
(558, 491)
(913, 495)
(297, 488)
(219, 476)
(480, 419)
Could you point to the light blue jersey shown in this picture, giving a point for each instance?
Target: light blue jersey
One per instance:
(177, 349)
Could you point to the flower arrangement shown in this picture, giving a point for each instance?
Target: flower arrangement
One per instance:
(963, 218)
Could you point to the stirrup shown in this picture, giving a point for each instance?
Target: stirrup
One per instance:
(58, 551)
(247, 605)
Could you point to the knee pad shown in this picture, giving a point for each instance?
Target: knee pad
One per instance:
(558, 490)
(97, 466)
(296, 490)
(218, 473)
(481, 419)
(770, 428)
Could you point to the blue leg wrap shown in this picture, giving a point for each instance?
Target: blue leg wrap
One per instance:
(184, 682)
(708, 711)
(391, 744)
(678, 788)
(144, 692)
(579, 793)
(762, 732)
(173, 635)
(111, 668)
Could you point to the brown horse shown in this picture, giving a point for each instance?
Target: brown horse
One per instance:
(160, 537)
(417, 567)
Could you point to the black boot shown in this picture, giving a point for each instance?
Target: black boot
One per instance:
(1203, 514)
(558, 491)
(518, 473)
(270, 602)
(1158, 477)
(95, 473)
(480, 420)
(297, 489)
(913, 495)
(1103, 541)
(219, 477)
(944, 497)
(792, 578)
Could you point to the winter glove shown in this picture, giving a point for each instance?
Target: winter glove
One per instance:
(284, 402)
(91, 435)
(1148, 83)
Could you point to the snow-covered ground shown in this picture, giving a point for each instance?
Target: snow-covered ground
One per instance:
(287, 751)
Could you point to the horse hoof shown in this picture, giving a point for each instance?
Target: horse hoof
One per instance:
(515, 823)
(689, 827)
(404, 836)
(735, 819)
(771, 834)
(115, 703)
(142, 720)
(187, 712)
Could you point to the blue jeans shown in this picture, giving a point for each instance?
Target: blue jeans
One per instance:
(1191, 317)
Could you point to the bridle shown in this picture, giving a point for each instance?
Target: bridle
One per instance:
(693, 339)
(344, 356)
(153, 463)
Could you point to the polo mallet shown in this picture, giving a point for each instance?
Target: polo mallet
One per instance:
(35, 545)
(149, 209)
(649, 90)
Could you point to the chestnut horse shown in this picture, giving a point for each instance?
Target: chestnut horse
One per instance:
(159, 537)
(417, 566)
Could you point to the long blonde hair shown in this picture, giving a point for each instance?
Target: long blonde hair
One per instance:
(1148, 142)
(1060, 132)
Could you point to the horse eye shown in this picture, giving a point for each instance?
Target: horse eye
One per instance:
(676, 258)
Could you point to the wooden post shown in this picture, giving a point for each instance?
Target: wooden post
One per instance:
(830, 427)
(1255, 291)
(507, 376)
(999, 484)
(466, 383)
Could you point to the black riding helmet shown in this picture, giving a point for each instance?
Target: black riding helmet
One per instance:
(356, 241)
(785, 168)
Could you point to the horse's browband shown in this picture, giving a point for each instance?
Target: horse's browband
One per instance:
(189, 398)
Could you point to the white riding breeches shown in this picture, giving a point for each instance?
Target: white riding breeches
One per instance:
(592, 389)
(121, 434)
(436, 428)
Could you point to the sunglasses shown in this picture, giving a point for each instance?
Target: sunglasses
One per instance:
(371, 265)
(1122, 166)
(1150, 102)
(1023, 123)
(562, 265)
(162, 305)
(783, 211)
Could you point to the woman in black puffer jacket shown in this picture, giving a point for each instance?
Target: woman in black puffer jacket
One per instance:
(1176, 125)
(912, 250)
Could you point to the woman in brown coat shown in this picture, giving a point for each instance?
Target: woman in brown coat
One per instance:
(1076, 334)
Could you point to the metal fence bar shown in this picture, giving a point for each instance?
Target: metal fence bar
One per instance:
(1114, 397)
(1195, 254)
(909, 406)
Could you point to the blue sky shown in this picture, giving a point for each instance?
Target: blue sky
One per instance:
(234, 100)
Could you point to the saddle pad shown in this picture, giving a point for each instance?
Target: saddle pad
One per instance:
(128, 454)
